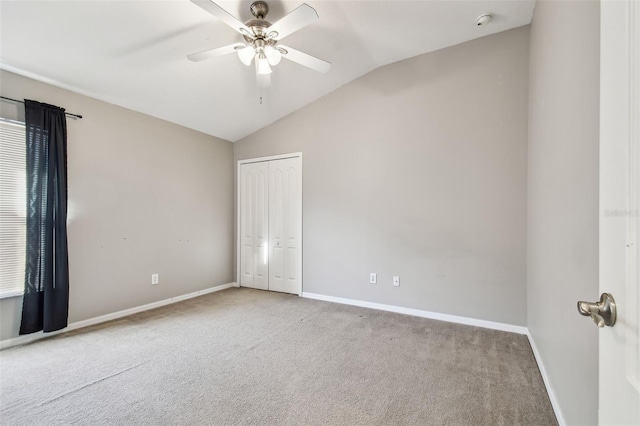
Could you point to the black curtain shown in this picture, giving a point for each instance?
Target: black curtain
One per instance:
(46, 293)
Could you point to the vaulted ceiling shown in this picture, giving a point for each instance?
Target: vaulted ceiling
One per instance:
(133, 53)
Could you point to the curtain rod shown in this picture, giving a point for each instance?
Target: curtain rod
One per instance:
(22, 102)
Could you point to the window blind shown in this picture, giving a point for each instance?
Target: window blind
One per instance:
(13, 200)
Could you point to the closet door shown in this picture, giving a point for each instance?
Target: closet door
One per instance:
(285, 225)
(254, 225)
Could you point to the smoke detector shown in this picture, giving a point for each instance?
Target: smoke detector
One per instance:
(483, 19)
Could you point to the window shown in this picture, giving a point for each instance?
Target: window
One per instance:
(13, 205)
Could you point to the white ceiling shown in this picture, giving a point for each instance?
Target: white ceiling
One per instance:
(132, 53)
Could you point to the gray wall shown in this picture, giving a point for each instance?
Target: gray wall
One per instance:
(563, 199)
(145, 196)
(418, 169)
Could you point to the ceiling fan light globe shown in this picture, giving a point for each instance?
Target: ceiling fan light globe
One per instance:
(262, 64)
(246, 55)
(273, 55)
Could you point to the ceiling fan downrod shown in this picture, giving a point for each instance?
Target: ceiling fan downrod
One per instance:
(259, 9)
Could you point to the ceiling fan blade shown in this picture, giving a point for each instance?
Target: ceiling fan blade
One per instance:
(212, 53)
(300, 17)
(224, 16)
(304, 59)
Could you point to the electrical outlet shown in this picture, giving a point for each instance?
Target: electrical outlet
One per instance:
(155, 278)
(396, 281)
(373, 278)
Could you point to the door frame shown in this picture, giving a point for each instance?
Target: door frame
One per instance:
(238, 242)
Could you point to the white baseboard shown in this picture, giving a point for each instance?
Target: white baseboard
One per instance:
(547, 384)
(420, 313)
(21, 340)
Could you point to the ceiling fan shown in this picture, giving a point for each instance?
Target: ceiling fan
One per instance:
(262, 38)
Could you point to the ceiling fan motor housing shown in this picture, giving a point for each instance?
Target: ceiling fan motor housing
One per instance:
(258, 27)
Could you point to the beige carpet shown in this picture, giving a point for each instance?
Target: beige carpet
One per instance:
(244, 356)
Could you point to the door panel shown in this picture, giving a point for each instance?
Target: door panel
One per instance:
(246, 227)
(261, 226)
(254, 267)
(292, 266)
(285, 220)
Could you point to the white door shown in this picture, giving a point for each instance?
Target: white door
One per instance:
(619, 377)
(254, 225)
(270, 224)
(285, 225)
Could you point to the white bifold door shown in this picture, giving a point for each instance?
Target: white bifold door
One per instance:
(270, 203)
